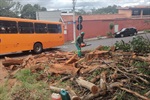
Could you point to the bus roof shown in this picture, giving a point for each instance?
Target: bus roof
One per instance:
(27, 20)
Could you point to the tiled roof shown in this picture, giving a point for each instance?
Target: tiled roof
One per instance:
(94, 17)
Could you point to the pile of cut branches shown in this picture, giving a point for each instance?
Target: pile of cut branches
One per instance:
(100, 75)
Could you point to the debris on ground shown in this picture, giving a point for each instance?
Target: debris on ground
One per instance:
(99, 75)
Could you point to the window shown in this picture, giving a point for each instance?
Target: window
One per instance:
(25, 27)
(146, 11)
(54, 28)
(136, 12)
(40, 28)
(8, 27)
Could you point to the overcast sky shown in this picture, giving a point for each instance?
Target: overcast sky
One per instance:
(84, 4)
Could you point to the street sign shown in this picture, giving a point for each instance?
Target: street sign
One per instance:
(79, 26)
(80, 19)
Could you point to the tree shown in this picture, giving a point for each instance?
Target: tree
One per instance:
(17, 8)
(105, 10)
(29, 11)
(6, 7)
(111, 26)
(81, 12)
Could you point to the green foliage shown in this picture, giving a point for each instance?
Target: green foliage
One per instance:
(140, 45)
(104, 10)
(137, 45)
(105, 48)
(9, 8)
(29, 11)
(26, 76)
(122, 46)
(6, 8)
(109, 34)
(81, 12)
(146, 31)
(111, 26)
(142, 67)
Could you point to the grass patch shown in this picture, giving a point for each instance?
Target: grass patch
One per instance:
(4, 95)
(26, 88)
(146, 31)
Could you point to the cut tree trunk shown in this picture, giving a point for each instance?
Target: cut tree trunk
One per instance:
(92, 87)
(10, 62)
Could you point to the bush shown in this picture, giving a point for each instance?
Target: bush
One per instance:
(146, 31)
(137, 45)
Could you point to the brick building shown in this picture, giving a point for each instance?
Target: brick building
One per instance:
(98, 25)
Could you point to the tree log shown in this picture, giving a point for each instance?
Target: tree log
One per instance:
(72, 94)
(92, 87)
(9, 62)
(55, 89)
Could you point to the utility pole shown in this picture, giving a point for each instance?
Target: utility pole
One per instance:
(74, 21)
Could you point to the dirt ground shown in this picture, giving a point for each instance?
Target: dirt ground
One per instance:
(3, 73)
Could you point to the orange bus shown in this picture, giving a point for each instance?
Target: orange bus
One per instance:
(18, 34)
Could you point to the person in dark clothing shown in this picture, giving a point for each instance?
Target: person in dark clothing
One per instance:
(79, 43)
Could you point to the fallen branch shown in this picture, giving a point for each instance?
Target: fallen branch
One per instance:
(103, 86)
(147, 93)
(135, 93)
(72, 94)
(144, 80)
(72, 59)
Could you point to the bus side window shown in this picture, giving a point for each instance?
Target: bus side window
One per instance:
(59, 28)
(54, 28)
(2, 29)
(8, 27)
(40, 28)
(25, 27)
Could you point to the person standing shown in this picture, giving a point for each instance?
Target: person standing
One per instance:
(79, 43)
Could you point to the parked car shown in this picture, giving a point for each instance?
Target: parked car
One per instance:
(126, 32)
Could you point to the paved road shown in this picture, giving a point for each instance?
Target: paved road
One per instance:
(71, 47)
(95, 43)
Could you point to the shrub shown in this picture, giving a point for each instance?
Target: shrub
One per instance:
(137, 45)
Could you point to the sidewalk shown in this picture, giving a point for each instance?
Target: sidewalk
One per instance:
(99, 38)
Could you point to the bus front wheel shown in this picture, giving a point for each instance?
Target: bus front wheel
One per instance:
(38, 48)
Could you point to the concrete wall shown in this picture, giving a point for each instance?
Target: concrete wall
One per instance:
(94, 28)
(48, 15)
(126, 12)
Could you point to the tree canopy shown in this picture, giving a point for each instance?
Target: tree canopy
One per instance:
(9, 8)
(104, 10)
(29, 11)
(6, 7)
